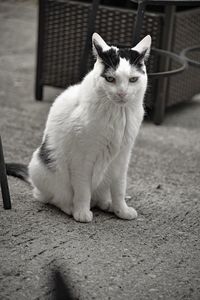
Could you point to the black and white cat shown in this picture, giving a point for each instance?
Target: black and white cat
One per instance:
(89, 135)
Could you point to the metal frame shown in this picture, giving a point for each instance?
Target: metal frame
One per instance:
(166, 55)
(40, 44)
(91, 25)
(161, 95)
(189, 60)
(139, 20)
(162, 86)
(3, 180)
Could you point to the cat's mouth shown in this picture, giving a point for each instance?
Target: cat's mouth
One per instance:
(118, 101)
(121, 101)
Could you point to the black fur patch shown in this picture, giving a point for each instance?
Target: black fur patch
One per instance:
(45, 154)
(17, 170)
(135, 58)
(111, 58)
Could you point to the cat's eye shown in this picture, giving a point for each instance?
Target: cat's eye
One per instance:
(109, 78)
(133, 79)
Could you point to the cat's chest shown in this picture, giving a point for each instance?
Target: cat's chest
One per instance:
(107, 143)
(113, 133)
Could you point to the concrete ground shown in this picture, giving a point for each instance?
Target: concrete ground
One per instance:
(154, 257)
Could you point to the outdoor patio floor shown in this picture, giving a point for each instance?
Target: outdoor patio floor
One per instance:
(156, 256)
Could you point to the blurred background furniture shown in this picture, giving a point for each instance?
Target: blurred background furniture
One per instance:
(186, 54)
(3, 180)
(170, 10)
(62, 38)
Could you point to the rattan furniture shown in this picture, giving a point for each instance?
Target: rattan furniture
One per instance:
(62, 31)
(62, 37)
(160, 102)
(3, 180)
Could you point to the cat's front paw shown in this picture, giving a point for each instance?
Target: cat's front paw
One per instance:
(127, 213)
(83, 216)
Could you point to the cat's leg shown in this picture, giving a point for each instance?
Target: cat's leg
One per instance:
(63, 191)
(101, 197)
(41, 195)
(63, 198)
(81, 183)
(81, 202)
(58, 194)
(49, 186)
(120, 208)
(40, 178)
(118, 187)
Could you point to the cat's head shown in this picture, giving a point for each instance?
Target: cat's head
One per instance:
(121, 73)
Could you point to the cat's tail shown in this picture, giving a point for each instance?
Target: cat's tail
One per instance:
(18, 170)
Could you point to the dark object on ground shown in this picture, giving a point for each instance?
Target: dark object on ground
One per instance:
(61, 289)
(3, 180)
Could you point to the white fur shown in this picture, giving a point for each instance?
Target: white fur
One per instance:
(144, 45)
(92, 132)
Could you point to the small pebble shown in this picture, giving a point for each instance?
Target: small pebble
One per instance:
(152, 275)
(153, 290)
(127, 197)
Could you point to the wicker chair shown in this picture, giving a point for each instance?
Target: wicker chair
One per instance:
(62, 32)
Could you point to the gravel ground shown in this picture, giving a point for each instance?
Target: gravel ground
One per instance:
(154, 257)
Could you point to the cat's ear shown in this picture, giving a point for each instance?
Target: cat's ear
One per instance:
(99, 45)
(144, 47)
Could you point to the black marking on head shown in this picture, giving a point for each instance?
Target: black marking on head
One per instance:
(111, 58)
(135, 58)
(45, 154)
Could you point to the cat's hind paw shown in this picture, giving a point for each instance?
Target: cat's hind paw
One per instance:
(84, 216)
(128, 213)
(105, 206)
(40, 196)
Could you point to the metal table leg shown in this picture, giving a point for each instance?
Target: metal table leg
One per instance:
(138, 21)
(161, 95)
(40, 48)
(3, 180)
(91, 26)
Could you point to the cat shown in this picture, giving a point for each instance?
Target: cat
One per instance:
(89, 135)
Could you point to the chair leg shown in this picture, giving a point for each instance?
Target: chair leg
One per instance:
(38, 92)
(159, 105)
(40, 50)
(90, 30)
(3, 180)
(139, 21)
(162, 91)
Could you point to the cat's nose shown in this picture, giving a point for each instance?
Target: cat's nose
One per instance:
(121, 94)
